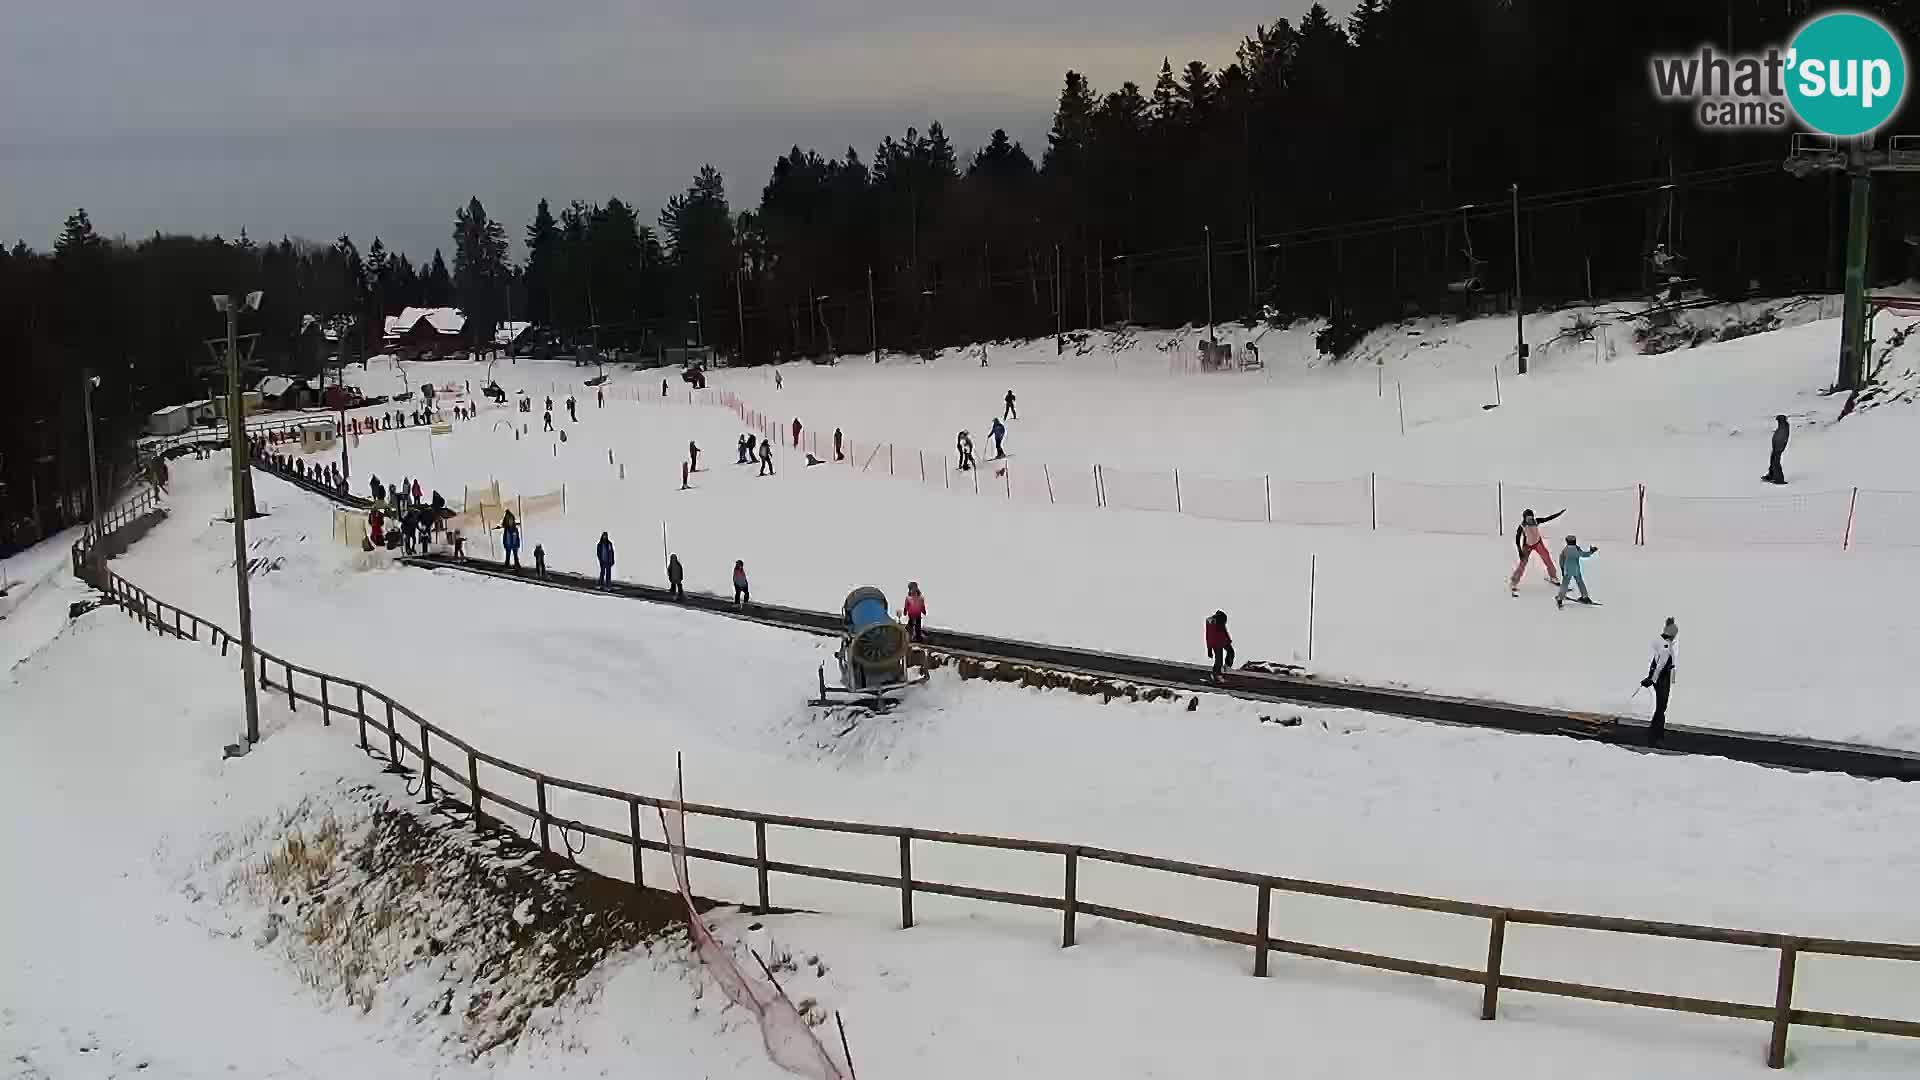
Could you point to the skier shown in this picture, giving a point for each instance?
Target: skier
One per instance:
(1219, 643)
(741, 595)
(539, 561)
(549, 402)
(838, 453)
(916, 610)
(1011, 413)
(675, 576)
(1570, 574)
(998, 432)
(573, 411)
(510, 539)
(1527, 541)
(548, 418)
(663, 388)
(1780, 436)
(796, 433)
(766, 458)
(603, 552)
(600, 397)
(1660, 677)
(740, 451)
(964, 445)
(693, 456)
(778, 382)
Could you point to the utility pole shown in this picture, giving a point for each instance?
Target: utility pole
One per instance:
(1100, 261)
(873, 318)
(1209, 229)
(699, 324)
(1059, 314)
(1253, 271)
(1519, 311)
(87, 382)
(740, 309)
(230, 305)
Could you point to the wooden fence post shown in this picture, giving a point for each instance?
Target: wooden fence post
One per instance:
(290, 699)
(760, 860)
(1846, 539)
(473, 788)
(1261, 911)
(326, 706)
(633, 823)
(426, 764)
(906, 883)
(1072, 898)
(360, 710)
(540, 800)
(1496, 945)
(1373, 501)
(1177, 508)
(393, 736)
(1268, 486)
(1048, 473)
(1782, 1008)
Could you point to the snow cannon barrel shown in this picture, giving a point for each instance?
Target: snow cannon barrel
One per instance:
(873, 640)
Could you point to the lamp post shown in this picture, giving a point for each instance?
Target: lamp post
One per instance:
(231, 305)
(87, 386)
(1519, 311)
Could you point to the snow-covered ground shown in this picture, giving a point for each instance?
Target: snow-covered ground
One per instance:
(606, 691)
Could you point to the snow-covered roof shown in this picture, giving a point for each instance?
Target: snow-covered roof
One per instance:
(274, 385)
(444, 320)
(507, 331)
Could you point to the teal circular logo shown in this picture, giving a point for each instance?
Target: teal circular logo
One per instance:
(1848, 74)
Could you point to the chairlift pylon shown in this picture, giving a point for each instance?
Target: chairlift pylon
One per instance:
(1474, 278)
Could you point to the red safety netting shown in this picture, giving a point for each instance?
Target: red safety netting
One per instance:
(1608, 514)
(790, 1041)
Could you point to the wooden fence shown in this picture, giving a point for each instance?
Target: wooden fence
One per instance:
(449, 769)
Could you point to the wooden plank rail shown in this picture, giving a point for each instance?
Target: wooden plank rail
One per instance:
(384, 717)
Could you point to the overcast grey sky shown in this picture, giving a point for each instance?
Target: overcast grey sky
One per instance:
(381, 116)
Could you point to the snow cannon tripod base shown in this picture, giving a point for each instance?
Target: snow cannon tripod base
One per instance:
(872, 655)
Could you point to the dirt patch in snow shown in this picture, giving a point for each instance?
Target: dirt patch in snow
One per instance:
(474, 937)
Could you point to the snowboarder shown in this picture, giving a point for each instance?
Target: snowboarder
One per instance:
(603, 553)
(741, 595)
(916, 611)
(796, 433)
(1570, 574)
(510, 539)
(1219, 643)
(675, 576)
(964, 445)
(1011, 413)
(573, 411)
(539, 561)
(1780, 436)
(548, 419)
(1527, 542)
(1660, 678)
(998, 432)
(766, 458)
(838, 453)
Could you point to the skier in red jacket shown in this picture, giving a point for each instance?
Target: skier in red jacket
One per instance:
(1219, 642)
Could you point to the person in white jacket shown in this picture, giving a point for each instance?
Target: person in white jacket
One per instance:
(1660, 678)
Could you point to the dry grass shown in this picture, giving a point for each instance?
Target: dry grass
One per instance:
(1036, 678)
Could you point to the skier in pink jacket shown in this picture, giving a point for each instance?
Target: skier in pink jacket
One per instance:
(1527, 541)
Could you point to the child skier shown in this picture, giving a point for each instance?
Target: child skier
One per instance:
(1570, 574)
(510, 539)
(998, 431)
(1219, 643)
(1527, 542)
(916, 610)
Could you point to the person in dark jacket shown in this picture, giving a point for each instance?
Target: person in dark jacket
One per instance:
(740, 451)
(1660, 677)
(838, 454)
(603, 552)
(766, 457)
(1780, 436)
(741, 594)
(573, 409)
(676, 576)
(1011, 413)
(1219, 643)
(539, 561)
(510, 539)
(409, 526)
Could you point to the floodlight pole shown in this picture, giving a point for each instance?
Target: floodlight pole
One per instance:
(87, 382)
(1519, 310)
(237, 441)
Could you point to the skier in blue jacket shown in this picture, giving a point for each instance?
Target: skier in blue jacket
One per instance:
(1570, 574)
(998, 432)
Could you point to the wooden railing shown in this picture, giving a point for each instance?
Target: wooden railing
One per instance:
(449, 768)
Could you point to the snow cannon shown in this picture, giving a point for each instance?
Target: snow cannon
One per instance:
(873, 648)
(872, 654)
